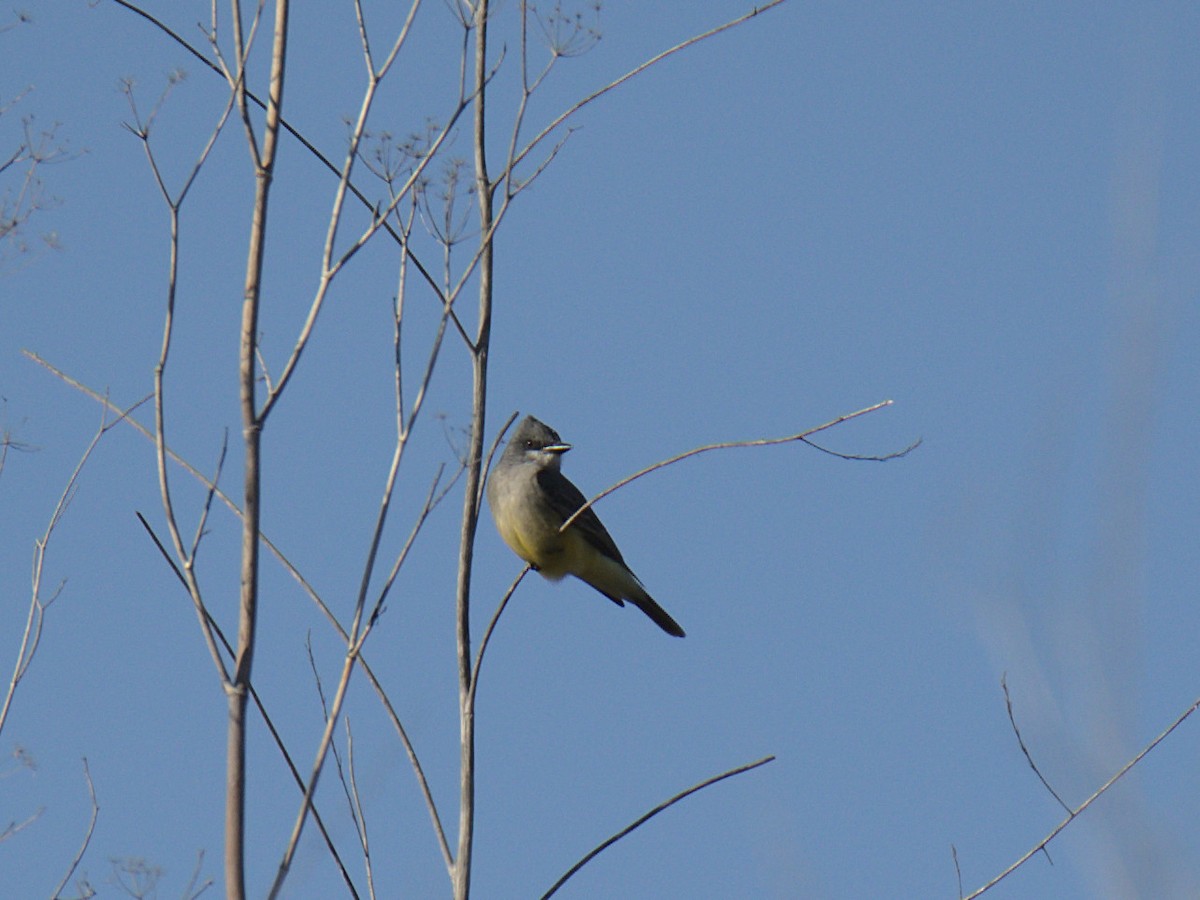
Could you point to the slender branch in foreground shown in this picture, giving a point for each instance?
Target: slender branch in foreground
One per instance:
(802, 437)
(87, 837)
(1073, 814)
(650, 815)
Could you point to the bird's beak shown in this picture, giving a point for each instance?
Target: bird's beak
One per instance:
(557, 448)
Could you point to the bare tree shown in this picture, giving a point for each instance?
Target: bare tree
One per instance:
(419, 183)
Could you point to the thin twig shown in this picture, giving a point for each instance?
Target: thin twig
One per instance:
(1086, 803)
(87, 837)
(487, 633)
(410, 750)
(38, 604)
(650, 815)
(1028, 758)
(15, 827)
(487, 465)
(191, 892)
(632, 73)
(802, 437)
(357, 812)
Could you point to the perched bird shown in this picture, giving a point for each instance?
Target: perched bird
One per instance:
(531, 498)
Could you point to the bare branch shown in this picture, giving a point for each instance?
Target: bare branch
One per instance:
(1025, 750)
(759, 442)
(487, 633)
(650, 815)
(38, 602)
(490, 456)
(422, 781)
(287, 758)
(235, 81)
(358, 814)
(308, 589)
(632, 73)
(87, 837)
(1073, 814)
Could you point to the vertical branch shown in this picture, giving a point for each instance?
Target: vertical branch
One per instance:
(235, 784)
(484, 191)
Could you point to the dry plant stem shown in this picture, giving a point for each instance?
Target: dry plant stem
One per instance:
(632, 73)
(650, 815)
(185, 556)
(311, 784)
(355, 639)
(357, 812)
(262, 710)
(308, 589)
(308, 145)
(38, 604)
(761, 442)
(1073, 814)
(485, 191)
(87, 837)
(491, 626)
(252, 424)
(331, 266)
(191, 892)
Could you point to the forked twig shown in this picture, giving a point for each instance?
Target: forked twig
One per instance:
(304, 142)
(802, 437)
(1073, 814)
(38, 604)
(309, 590)
(650, 815)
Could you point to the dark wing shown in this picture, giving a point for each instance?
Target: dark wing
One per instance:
(566, 499)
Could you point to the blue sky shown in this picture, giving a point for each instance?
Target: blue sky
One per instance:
(986, 213)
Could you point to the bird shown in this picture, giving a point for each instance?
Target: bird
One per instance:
(530, 499)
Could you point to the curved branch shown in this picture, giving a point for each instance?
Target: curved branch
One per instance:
(760, 442)
(1073, 814)
(87, 836)
(632, 73)
(650, 815)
